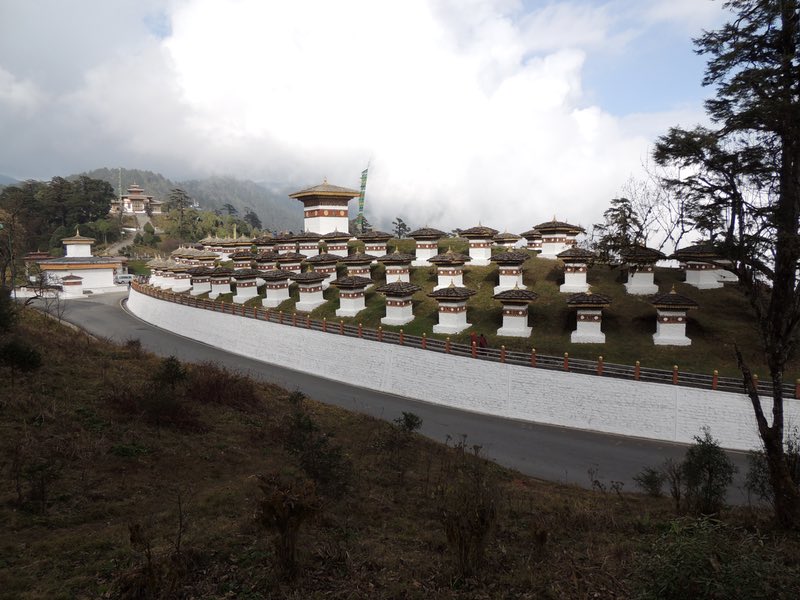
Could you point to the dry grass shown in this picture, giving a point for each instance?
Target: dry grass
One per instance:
(112, 469)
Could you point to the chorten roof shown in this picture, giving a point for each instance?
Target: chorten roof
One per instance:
(307, 236)
(199, 271)
(72, 278)
(396, 258)
(336, 236)
(308, 277)
(588, 300)
(427, 233)
(505, 237)
(221, 272)
(276, 275)
(326, 189)
(510, 258)
(398, 288)
(516, 296)
(352, 282)
(358, 258)
(531, 233)
(576, 255)
(374, 236)
(478, 232)
(264, 239)
(267, 256)
(640, 254)
(672, 300)
(289, 257)
(323, 258)
(241, 255)
(452, 292)
(699, 252)
(450, 258)
(558, 226)
(77, 239)
(247, 273)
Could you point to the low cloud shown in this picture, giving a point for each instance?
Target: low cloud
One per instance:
(465, 113)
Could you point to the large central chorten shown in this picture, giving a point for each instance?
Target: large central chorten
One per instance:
(325, 207)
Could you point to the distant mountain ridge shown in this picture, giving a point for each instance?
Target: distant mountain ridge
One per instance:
(276, 210)
(6, 180)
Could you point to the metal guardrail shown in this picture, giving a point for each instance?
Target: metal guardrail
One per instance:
(532, 359)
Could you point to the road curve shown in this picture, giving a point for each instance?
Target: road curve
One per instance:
(553, 453)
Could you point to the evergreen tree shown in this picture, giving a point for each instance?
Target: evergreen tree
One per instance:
(622, 228)
(745, 186)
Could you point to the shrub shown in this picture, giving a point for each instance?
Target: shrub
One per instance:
(408, 422)
(324, 462)
(288, 501)
(708, 472)
(703, 558)
(18, 355)
(651, 481)
(209, 383)
(467, 507)
(758, 480)
(8, 310)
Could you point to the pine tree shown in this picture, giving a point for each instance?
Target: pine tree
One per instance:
(745, 185)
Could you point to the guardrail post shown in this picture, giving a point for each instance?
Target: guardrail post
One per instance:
(280, 317)
(447, 345)
(715, 380)
(797, 388)
(755, 381)
(675, 374)
(294, 319)
(566, 361)
(341, 327)
(380, 334)
(360, 330)
(324, 324)
(502, 354)
(425, 345)
(401, 337)
(474, 349)
(599, 365)
(533, 357)
(308, 321)
(636, 369)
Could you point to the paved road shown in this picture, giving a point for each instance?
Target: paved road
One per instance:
(547, 452)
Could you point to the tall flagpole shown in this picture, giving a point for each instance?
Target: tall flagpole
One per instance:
(360, 218)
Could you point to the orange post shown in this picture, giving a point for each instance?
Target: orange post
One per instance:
(502, 354)
(755, 381)
(636, 371)
(341, 327)
(425, 345)
(447, 346)
(675, 374)
(380, 334)
(360, 330)
(566, 361)
(324, 324)
(715, 380)
(401, 337)
(474, 349)
(294, 319)
(533, 357)
(308, 321)
(599, 365)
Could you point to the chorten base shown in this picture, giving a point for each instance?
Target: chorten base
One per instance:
(663, 340)
(565, 288)
(451, 328)
(397, 320)
(273, 302)
(522, 332)
(647, 289)
(348, 312)
(200, 288)
(582, 337)
(309, 306)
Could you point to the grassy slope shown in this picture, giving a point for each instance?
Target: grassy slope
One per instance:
(724, 318)
(383, 540)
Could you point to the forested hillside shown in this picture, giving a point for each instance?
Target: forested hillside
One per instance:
(276, 211)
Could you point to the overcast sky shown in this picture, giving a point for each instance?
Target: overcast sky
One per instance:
(505, 112)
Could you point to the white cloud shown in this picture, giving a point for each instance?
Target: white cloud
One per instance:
(19, 96)
(469, 111)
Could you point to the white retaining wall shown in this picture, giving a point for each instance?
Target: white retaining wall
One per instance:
(650, 410)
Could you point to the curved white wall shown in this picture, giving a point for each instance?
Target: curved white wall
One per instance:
(651, 410)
